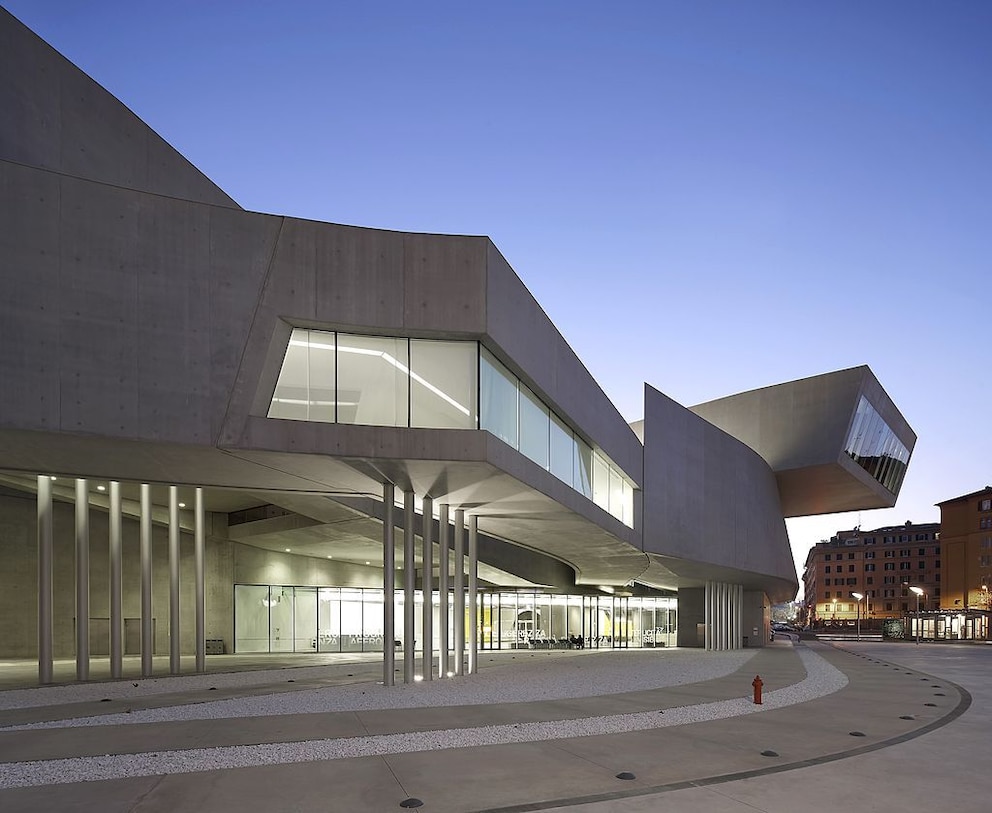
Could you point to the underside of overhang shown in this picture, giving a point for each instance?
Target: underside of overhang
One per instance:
(829, 489)
(317, 488)
(670, 573)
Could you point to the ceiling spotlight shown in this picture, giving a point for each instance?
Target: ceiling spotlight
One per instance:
(330, 557)
(289, 550)
(182, 505)
(368, 563)
(101, 488)
(52, 477)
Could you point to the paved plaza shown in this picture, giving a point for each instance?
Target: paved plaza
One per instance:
(888, 726)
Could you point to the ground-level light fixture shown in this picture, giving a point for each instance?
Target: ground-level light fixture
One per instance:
(919, 592)
(859, 597)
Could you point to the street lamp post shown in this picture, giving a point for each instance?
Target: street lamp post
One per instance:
(919, 592)
(859, 596)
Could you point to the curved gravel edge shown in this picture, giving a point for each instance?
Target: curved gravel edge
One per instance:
(531, 680)
(822, 679)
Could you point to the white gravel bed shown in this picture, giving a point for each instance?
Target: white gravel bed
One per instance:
(822, 679)
(146, 687)
(538, 679)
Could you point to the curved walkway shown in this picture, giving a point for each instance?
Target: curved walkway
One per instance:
(364, 747)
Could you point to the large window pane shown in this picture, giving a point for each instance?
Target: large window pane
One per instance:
(322, 365)
(443, 384)
(351, 620)
(373, 380)
(281, 619)
(292, 396)
(305, 619)
(562, 450)
(582, 469)
(534, 427)
(600, 481)
(498, 407)
(329, 619)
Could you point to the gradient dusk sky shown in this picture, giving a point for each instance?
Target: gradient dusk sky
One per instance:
(708, 196)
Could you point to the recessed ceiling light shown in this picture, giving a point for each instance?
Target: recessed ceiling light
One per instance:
(101, 488)
(52, 477)
(182, 505)
(330, 557)
(289, 550)
(368, 563)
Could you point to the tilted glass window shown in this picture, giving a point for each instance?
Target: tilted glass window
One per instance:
(582, 469)
(373, 380)
(426, 383)
(292, 395)
(561, 450)
(443, 387)
(535, 427)
(498, 399)
(876, 448)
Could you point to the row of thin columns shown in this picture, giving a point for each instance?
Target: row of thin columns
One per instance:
(46, 623)
(453, 582)
(723, 616)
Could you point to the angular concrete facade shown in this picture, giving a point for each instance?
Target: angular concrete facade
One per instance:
(148, 320)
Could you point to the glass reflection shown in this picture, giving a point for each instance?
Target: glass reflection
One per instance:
(876, 448)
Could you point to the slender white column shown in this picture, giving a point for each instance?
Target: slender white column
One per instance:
(409, 585)
(458, 588)
(473, 594)
(388, 586)
(737, 616)
(726, 616)
(82, 580)
(174, 639)
(45, 661)
(116, 616)
(145, 546)
(707, 636)
(444, 534)
(199, 552)
(721, 621)
(427, 584)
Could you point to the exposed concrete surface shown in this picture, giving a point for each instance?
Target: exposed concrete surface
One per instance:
(683, 767)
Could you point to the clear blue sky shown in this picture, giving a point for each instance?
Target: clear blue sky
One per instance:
(709, 196)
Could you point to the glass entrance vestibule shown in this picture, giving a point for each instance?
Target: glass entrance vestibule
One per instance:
(286, 618)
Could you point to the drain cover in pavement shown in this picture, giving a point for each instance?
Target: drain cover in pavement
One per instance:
(626, 775)
(411, 802)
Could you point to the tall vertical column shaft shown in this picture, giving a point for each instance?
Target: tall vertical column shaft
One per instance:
(427, 560)
(45, 569)
(116, 571)
(473, 594)
(458, 591)
(174, 638)
(409, 585)
(444, 534)
(707, 617)
(82, 580)
(199, 554)
(388, 585)
(145, 548)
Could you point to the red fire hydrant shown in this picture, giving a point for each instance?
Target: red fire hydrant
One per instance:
(757, 683)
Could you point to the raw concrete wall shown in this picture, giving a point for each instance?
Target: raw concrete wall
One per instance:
(709, 498)
(692, 613)
(19, 578)
(57, 118)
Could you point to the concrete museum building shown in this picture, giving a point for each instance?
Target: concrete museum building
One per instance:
(222, 430)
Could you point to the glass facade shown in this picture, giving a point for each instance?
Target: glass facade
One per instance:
(284, 618)
(424, 383)
(874, 446)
